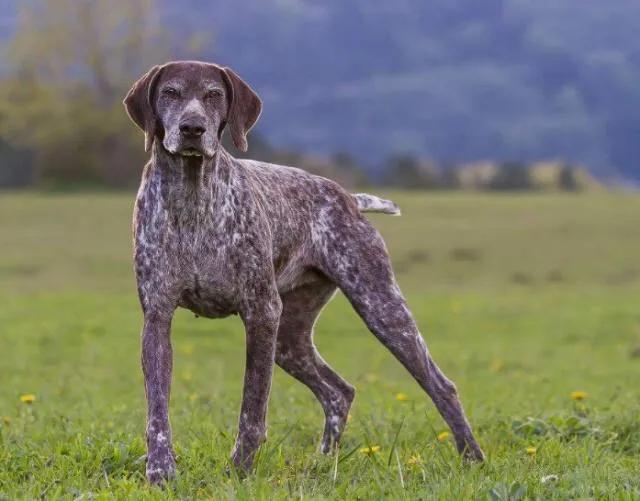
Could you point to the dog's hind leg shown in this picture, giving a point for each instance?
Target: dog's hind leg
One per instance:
(358, 262)
(298, 356)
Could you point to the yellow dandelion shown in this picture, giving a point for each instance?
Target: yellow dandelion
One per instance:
(186, 376)
(371, 450)
(443, 435)
(6, 420)
(402, 397)
(187, 349)
(348, 417)
(531, 451)
(496, 365)
(27, 398)
(578, 395)
(193, 397)
(414, 460)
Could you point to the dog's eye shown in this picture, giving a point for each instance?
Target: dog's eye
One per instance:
(171, 92)
(212, 94)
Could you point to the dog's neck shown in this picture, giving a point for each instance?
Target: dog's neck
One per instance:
(191, 186)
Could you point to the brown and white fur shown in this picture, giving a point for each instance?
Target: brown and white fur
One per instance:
(223, 236)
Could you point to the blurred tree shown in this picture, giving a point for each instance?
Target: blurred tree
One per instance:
(406, 171)
(511, 176)
(567, 179)
(450, 177)
(16, 166)
(349, 166)
(69, 66)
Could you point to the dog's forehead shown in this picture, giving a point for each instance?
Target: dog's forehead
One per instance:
(192, 73)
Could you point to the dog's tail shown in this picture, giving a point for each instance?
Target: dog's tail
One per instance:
(371, 203)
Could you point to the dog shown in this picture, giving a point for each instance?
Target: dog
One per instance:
(222, 236)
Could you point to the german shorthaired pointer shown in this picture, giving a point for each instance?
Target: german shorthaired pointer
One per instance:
(222, 236)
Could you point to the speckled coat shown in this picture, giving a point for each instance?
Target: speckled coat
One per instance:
(221, 236)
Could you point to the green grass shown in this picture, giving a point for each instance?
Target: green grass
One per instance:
(522, 300)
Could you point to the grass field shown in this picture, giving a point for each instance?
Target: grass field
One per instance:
(522, 300)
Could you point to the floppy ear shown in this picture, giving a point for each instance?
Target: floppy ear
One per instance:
(244, 109)
(138, 105)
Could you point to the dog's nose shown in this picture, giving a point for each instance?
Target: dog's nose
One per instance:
(192, 128)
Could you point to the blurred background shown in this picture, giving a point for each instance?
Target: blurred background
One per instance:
(498, 94)
(508, 131)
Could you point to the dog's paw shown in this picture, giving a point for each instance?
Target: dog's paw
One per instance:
(246, 447)
(473, 453)
(160, 468)
(242, 464)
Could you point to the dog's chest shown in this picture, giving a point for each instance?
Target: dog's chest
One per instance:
(208, 296)
(190, 254)
(208, 272)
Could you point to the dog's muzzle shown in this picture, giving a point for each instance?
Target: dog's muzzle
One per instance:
(191, 133)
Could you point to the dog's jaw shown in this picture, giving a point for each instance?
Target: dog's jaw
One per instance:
(190, 152)
(204, 147)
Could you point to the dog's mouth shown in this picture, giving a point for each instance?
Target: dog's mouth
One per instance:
(191, 152)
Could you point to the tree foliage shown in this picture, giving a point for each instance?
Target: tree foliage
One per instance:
(69, 66)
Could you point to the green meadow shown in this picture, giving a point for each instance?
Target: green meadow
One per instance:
(530, 303)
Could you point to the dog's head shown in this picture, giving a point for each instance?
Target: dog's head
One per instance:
(188, 104)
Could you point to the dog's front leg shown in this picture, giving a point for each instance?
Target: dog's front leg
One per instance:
(157, 362)
(261, 325)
